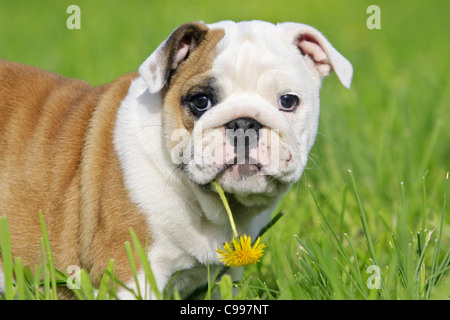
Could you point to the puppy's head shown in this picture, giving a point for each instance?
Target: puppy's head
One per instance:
(241, 101)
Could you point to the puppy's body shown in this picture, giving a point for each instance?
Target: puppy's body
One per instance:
(56, 155)
(99, 161)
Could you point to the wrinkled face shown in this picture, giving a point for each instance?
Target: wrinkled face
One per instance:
(241, 105)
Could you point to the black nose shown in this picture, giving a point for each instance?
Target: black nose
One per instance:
(244, 124)
(243, 133)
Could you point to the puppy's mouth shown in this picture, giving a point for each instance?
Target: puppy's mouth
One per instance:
(242, 171)
(246, 170)
(249, 182)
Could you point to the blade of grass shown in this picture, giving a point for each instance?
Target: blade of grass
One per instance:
(105, 283)
(28, 280)
(5, 247)
(420, 270)
(445, 267)
(341, 223)
(20, 279)
(435, 268)
(422, 240)
(329, 227)
(54, 293)
(406, 265)
(360, 283)
(142, 255)
(364, 220)
(86, 285)
(283, 267)
(45, 272)
(424, 212)
(133, 269)
(118, 282)
(36, 281)
(365, 224)
(423, 250)
(338, 243)
(311, 272)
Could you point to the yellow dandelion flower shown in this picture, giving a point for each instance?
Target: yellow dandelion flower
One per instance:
(241, 252)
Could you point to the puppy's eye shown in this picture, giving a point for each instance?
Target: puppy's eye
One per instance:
(200, 103)
(288, 102)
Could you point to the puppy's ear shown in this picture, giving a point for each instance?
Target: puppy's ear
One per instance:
(318, 52)
(160, 66)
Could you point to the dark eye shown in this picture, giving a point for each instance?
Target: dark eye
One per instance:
(200, 103)
(288, 102)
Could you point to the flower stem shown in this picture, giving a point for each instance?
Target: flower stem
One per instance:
(227, 208)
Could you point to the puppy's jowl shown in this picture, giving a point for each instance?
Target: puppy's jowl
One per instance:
(232, 102)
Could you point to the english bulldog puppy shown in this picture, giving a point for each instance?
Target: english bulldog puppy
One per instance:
(233, 102)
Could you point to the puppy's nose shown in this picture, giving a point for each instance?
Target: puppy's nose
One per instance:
(243, 134)
(244, 124)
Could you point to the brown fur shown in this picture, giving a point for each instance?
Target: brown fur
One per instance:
(56, 155)
(195, 71)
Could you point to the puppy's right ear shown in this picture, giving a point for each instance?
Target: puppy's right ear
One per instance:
(160, 66)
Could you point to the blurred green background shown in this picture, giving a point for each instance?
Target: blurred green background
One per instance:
(391, 126)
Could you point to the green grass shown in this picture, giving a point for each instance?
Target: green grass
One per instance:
(390, 129)
(329, 267)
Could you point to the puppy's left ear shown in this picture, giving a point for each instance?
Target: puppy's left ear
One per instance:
(159, 67)
(319, 53)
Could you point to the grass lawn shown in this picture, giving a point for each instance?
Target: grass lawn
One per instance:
(368, 219)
